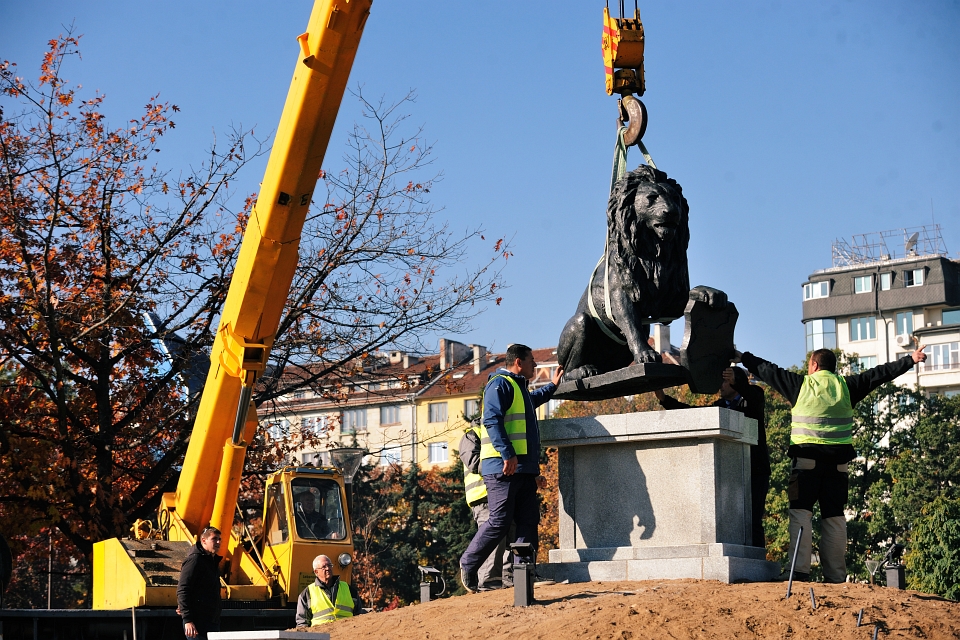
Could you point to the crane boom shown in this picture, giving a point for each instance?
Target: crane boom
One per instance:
(130, 573)
(208, 485)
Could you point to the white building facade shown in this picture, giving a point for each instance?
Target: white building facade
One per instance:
(879, 309)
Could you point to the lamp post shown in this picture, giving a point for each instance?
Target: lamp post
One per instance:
(347, 461)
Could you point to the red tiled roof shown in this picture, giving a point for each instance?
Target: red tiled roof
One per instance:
(461, 379)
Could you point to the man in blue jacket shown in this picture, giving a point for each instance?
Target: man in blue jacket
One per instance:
(509, 458)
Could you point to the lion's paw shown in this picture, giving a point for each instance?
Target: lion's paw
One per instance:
(580, 373)
(715, 298)
(647, 357)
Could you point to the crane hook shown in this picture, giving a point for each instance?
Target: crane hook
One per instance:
(634, 113)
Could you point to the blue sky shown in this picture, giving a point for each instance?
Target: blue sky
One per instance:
(788, 124)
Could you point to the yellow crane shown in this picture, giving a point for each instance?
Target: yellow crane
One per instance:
(143, 572)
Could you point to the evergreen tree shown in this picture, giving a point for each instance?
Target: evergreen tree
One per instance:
(403, 519)
(933, 560)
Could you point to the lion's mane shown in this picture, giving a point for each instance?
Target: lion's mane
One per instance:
(656, 274)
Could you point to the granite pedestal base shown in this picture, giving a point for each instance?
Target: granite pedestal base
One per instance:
(655, 495)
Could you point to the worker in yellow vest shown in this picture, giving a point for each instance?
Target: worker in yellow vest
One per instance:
(327, 599)
(509, 458)
(821, 445)
(497, 570)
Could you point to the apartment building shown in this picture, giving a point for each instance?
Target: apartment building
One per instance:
(372, 407)
(399, 407)
(885, 292)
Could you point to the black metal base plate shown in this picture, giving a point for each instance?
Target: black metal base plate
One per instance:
(637, 378)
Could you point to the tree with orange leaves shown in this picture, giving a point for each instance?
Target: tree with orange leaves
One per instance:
(112, 276)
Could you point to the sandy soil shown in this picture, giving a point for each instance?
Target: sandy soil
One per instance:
(667, 609)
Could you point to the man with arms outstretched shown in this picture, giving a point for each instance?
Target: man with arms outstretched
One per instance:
(821, 445)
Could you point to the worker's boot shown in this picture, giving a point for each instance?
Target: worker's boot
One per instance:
(833, 549)
(800, 518)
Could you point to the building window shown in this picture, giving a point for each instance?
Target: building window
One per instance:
(905, 401)
(913, 278)
(951, 316)
(813, 290)
(863, 329)
(316, 458)
(300, 394)
(437, 452)
(278, 429)
(354, 420)
(886, 281)
(389, 456)
(863, 363)
(390, 414)
(905, 323)
(471, 409)
(863, 284)
(314, 425)
(821, 334)
(944, 356)
(437, 412)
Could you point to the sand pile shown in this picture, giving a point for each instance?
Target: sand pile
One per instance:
(668, 609)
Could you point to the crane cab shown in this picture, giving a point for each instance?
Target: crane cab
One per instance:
(305, 515)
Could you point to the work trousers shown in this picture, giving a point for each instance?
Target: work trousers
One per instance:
(813, 481)
(511, 499)
(497, 569)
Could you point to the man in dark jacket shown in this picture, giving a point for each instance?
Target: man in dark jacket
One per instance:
(821, 445)
(198, 590)
(327, 599)
(738, 394)
(509, 458)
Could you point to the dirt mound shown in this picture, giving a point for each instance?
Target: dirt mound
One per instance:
(668, 609)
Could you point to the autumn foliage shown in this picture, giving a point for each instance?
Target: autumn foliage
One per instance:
(113, 272)
(93, 240)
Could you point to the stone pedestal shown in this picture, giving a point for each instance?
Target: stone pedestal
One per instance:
(655, 495)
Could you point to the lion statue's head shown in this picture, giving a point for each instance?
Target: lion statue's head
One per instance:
(647, 218)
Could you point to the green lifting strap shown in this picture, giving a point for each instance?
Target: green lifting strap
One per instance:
(619, 159)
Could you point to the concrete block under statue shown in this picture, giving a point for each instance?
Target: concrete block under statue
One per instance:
(655, 495)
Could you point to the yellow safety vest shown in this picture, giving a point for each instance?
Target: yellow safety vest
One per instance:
(473, 486)
(323, 611)
(823, 413)
(514, 421)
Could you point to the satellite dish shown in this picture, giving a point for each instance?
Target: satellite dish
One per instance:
(911, 242)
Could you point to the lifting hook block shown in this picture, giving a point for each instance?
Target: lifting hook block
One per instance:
(634, 113)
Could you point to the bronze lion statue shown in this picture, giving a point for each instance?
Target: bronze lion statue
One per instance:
(642, 279)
